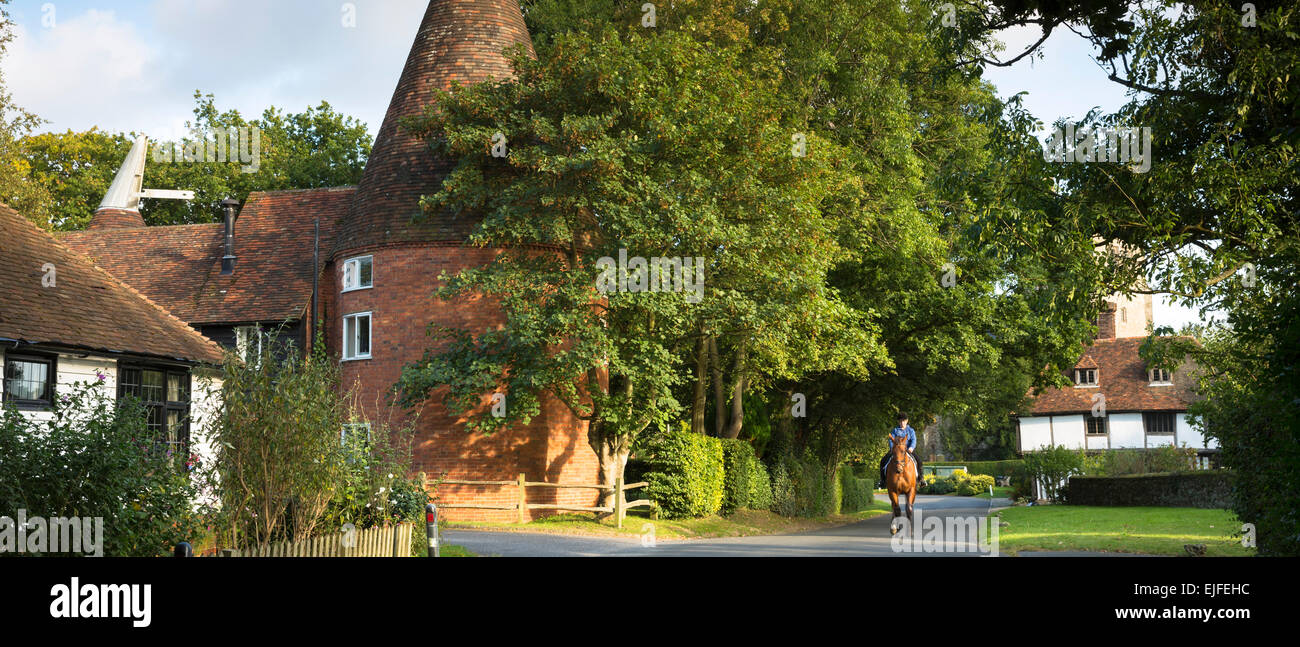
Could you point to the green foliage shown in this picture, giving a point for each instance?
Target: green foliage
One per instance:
(94, 457)
(804, 488)
(760, 494)
(318, 147)
(1123, 462)
(742, 479)
(284, 471)
(959, 482)
(857, 493)
(686, 474)
(1052, 466)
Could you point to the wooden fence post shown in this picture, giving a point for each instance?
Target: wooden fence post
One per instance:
(618, 501)
(523, 500)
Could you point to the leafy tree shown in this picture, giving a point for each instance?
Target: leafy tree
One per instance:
(318, 147)
(650, 145)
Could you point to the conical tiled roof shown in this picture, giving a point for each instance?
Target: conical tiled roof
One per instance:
(459, 41)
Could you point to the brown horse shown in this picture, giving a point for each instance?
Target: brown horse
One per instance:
(900, 479)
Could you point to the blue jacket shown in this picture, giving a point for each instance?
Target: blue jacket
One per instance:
(898, 435)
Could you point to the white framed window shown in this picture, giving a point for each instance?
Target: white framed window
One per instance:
(1085, 377)
(358, 273)
(1161, 376)
(250, 343)
(356, 336)
(357, 431)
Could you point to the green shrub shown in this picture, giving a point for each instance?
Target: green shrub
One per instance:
(686, 475)
(959, 482)
(739, 466)
(760, 493)
(95, 457)
(857, 492)
(803, 488)
(1052, 466)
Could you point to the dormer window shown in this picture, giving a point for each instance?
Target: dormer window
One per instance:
(358, 273)
(1161, 376)
(1085, 377)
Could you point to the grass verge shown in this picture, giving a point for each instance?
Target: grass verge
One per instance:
(1142, 530)
(740, 524)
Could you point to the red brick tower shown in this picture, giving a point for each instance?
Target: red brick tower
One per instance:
(458, 41)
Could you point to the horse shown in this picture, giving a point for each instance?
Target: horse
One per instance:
(900, 478)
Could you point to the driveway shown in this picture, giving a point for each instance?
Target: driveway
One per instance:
(869, 538)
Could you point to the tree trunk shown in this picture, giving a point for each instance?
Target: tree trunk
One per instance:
(737, 395)
(719, 389)
(700, 403)
(612, 454)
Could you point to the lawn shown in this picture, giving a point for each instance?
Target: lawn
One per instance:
(739, 524)
(999, 492)
(1144, 530)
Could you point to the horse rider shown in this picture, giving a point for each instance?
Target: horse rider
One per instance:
(902, 434)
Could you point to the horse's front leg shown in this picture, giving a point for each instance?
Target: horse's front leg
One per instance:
(893, 501)
(911, 505)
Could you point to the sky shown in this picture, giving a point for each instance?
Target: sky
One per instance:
(134, 65)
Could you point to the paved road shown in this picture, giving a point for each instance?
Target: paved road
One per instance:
(869, 538)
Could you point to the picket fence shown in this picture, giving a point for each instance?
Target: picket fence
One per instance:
(389, 541)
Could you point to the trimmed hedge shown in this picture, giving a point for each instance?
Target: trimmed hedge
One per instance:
(803, 488)
(1199, 489)
(685, 474)
(740, 477)
(856, 493)
(760, 493)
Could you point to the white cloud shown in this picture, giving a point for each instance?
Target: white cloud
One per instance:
(136, 68)
(88, 62)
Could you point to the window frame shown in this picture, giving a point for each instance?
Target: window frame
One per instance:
(241, 345)
(343, 279)
(370, 336)
(164, 406)
(51, 383)
(1168, 377)
(1147, 417)
(1090, 420)
(1096, 377)
(343, 432)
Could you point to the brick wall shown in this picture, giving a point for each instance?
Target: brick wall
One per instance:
(553, 448)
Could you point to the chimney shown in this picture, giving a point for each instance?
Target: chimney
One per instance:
(228, 261)
(1106, 322)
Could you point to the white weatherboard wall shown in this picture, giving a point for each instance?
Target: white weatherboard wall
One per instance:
(1127, 431)
(1068, 431)
(1035, 433)
(1191, 436)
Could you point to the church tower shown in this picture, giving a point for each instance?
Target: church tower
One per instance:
(384, 268)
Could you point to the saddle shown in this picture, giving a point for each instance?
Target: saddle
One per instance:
(891, 459)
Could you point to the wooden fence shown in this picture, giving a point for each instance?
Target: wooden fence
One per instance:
(390, 541)
(618, 509)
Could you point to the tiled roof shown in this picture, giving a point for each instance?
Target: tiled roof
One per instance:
(85, 308)
(180, 266)
(459, 41)
(1122, 377)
